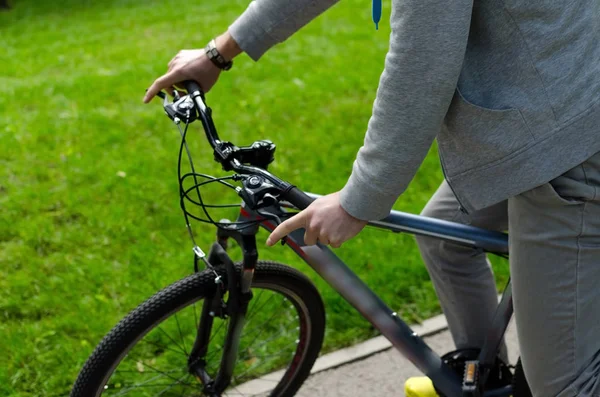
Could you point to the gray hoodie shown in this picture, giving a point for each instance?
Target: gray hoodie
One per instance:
(510, 88)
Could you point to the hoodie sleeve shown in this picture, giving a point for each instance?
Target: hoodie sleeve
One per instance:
(425, 56)
(268, 22)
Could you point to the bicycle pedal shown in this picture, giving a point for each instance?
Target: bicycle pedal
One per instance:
(470, 386)
(420, 386)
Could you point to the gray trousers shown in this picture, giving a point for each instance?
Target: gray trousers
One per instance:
(554, 237)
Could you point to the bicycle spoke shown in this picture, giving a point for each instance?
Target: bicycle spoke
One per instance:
(263, 356)
(266, 322)
(240, 376)
(274, 354)
(268, 342)
(256, 300)
(173, 385)
(259, 328)
(138, 371)
(212, 354)
(270, 339)
(144, 384)
(131, 371)
(181, 335)
(163, 347)
(156, 370)
(257, 310)
(172, 340)
(256, 335)
(182, 391)
(262, 362)
(155, 385)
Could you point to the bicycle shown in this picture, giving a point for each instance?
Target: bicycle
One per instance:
(233, 293)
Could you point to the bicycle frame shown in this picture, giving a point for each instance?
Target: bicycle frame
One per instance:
(340, 277)
(343, 280)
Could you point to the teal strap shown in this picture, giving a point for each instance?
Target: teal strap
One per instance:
(376, 13)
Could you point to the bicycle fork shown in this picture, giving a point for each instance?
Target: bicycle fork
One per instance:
(238, 287)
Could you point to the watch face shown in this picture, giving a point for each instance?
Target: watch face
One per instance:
(213, 54)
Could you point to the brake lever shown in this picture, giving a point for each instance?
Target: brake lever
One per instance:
(182, 109)
(167, 106)
(275, 218)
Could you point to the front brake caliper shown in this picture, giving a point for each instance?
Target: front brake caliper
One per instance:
(218, 304)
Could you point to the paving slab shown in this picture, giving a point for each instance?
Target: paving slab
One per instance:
(382, 374)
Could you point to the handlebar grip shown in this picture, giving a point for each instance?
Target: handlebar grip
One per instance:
(191, 86)
(297, 197)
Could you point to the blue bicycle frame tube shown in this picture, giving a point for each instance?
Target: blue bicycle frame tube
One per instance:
(343, 280)
(396, 221)
(371, 307)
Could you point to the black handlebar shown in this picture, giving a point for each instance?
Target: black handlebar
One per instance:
(297, 197)
(195, 92)
(289, 192)
(191, 86)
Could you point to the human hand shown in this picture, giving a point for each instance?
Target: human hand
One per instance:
(193, 65)
(324, 220)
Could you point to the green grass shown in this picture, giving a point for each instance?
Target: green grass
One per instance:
(80, 245)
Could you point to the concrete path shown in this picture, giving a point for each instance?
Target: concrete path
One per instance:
(382, 374)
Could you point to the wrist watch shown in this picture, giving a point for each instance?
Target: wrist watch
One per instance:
(215, 56)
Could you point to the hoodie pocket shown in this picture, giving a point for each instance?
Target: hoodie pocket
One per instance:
(474, 136)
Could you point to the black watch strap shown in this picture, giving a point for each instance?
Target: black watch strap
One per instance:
(215, 56)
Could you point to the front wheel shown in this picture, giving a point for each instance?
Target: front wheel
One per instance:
(147, 353)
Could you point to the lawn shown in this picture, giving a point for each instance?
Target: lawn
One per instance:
(89, 222)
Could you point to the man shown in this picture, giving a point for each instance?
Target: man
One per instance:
(511, 89)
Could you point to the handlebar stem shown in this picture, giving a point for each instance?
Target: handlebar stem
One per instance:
(227, 154)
